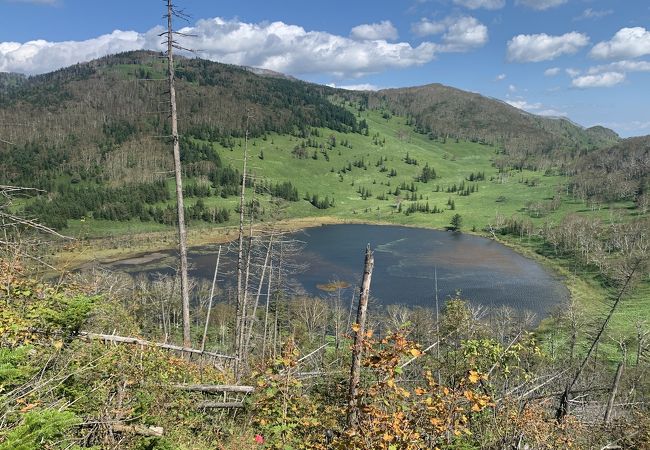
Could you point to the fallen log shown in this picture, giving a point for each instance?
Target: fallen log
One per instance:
(208, 405)
(136, 341)
(138, 429)
(212, 388)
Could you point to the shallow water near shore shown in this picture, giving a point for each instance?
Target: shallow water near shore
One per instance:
(406, 260)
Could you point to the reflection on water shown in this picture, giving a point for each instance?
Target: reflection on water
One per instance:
(484, 271)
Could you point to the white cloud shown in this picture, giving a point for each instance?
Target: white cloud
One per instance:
(426, 27)
(635, 127)
(358, 87)
(465, 34)
(290, 49)
(512, 88)
(541, 5)
(551, 113)
(621, 66)
(42, 56)
(606, 79)
(553, 71)
(572, 72)
(461, 34)
(594, 14)
(523, 104)
(374, 31)
(626, 43)
(535, 108)
(476, 4)
(542, 47)
(500, 77)
(275, 46)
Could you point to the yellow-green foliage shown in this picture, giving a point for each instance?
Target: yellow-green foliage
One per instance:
(51, 382)
(41, 429)
(285, 415)
(34, 311)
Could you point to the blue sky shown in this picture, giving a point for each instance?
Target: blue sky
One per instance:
(588, 60)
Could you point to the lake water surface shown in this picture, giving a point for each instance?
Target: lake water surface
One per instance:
(483, 271)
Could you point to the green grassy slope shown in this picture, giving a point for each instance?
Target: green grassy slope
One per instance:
(390, 140)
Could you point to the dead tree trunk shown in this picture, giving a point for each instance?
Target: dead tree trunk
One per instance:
(240, 260)
(182, 233)
(207, 318)
(360, 331)
(253, 316)
(612, 395)
(563, 408)
(266, 312)
(243, 356)
(276, 330)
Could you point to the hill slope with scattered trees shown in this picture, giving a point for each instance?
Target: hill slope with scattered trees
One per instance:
(445, 111)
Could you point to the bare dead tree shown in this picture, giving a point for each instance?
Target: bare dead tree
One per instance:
(266, 309)
(207, 318)
(242, 360)
(641, 337)
(239, 314)
(182, 232)
(20, 237)
(360, 331)
(612, 394)
(259, 292)
(563, 408)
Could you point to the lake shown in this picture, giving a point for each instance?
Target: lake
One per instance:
(406, 259)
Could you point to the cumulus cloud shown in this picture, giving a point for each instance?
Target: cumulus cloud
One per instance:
(464, 34)
(42, 56)
(375, 31)
(594, 14)
(626, 43)
(500, 77)
(606, 79)
(426, 27)
(542, 47)
(553, 71)
(459, 34)
(523, 104)
(290, 49)
(541, 5)
(621, 66)
(572, 72)
(486, 4)
(357, 87)
(535, 108)
(275, 46)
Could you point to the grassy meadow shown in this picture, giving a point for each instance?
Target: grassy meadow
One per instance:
(322, 172)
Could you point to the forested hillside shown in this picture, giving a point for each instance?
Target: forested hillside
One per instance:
(445, 111)
(618, 172)
(105, 120)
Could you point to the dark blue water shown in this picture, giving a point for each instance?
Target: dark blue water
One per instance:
(483, 271)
